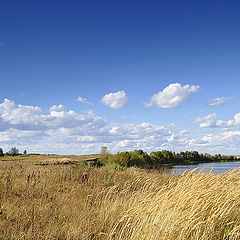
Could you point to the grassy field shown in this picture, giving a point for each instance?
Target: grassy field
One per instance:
(75, 201)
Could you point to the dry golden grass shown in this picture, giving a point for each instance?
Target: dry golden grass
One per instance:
(196, 206)
(78, 202)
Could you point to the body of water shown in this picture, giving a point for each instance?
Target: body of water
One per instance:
(218, 167)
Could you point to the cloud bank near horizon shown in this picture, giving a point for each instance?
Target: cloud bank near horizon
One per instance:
(65, 131)
(209, 121)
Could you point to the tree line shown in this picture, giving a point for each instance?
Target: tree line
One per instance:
(142, 159)
(13, 152)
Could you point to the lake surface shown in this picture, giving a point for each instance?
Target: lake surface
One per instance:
(219, 167)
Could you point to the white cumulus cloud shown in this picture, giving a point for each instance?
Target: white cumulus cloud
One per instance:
(172, 96)
(19, 115)
(31, 118)
(66, 131)
(207, 121)
(115, 100)
(210, 121)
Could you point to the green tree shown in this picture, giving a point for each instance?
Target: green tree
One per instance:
(103, 150)
(1, 152)
(25, 152)
(136, 159)
(167, 156)
(122, 158)
(14, 151)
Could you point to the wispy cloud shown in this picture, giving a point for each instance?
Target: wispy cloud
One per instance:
(218, 101)
(83, 100)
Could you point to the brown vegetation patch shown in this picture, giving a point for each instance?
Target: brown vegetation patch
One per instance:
(80, 202)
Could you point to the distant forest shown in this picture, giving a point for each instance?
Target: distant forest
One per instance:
(142, 159)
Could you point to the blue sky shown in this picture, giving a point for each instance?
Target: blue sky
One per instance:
(76, 75)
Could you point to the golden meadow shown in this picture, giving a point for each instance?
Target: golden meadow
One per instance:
(44, 197)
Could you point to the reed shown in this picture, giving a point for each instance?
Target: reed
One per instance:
(80, 202)
(195, 206)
